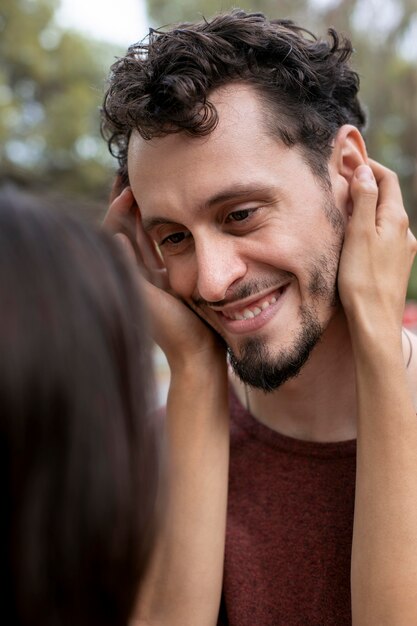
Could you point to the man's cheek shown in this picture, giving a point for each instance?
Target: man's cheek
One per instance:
(180, 282)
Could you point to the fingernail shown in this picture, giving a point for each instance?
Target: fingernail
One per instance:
(364, 173)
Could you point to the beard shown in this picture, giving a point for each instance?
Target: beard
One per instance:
(256, 366)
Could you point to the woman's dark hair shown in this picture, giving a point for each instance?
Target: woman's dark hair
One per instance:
(78, 445)
(307, 87)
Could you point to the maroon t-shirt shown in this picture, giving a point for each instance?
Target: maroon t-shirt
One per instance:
(289, 529)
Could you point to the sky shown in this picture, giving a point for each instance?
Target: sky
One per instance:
(120, 21)
(125, 21)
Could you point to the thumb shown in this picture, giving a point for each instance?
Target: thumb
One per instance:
(364, 193)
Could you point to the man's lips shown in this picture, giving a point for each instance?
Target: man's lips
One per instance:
(250, 308)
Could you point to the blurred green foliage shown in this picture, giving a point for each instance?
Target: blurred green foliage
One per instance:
(51, 88)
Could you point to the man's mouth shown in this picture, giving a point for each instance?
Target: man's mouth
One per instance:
(255, 308)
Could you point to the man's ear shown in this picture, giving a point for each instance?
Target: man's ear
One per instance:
(349, 151)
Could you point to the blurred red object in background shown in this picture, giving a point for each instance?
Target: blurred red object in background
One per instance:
(410, 315)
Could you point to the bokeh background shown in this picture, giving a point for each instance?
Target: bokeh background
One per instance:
(55, 56)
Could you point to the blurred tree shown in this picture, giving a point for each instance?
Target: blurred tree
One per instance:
(384, 33)
(51, 87)
(164, 12)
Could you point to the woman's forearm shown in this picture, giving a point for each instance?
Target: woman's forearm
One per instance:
(384, 551)
(183, 585)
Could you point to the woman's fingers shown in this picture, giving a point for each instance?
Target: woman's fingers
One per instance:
(147, 246)
(121, 216)
(126, 245)
(123, 220)
(391, 209)
(364, 192)
(387, 181)
(378, 249)
(377, 200)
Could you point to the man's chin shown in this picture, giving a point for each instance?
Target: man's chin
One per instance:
(258, 368)
(267, 377)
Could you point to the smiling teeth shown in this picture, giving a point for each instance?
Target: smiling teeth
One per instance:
(249, 313)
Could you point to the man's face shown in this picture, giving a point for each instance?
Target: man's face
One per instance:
(244, 229)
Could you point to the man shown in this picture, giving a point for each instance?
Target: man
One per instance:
(241, 140)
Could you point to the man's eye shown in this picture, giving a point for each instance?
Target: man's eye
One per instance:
(175, 238)
(239, 216)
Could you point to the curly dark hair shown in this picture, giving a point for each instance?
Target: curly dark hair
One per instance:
(308, 89)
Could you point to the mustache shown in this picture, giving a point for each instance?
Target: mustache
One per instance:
(250, 288)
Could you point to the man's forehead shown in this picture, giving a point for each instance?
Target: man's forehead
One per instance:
(143, 149)
(166, 170)
(182, 170)
(235, 105)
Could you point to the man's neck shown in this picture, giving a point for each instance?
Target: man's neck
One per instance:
(320, 403)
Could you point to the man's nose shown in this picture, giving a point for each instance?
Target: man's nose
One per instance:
(219, 265)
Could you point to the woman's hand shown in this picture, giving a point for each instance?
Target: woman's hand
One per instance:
(180, 333)
(378, 252)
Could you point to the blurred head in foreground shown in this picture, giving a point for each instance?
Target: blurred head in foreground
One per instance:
(79, 454)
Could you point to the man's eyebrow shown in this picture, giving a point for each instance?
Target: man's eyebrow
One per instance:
(150, 222)
(232, 193)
